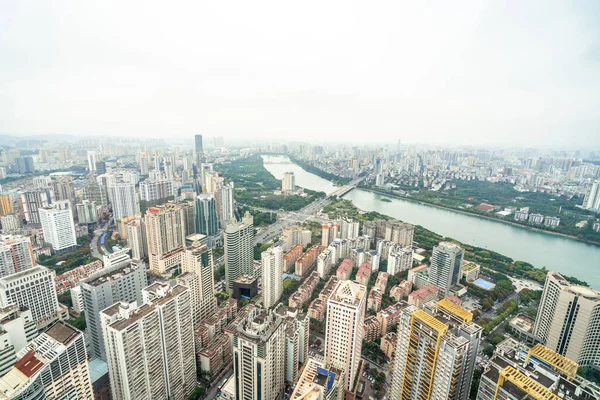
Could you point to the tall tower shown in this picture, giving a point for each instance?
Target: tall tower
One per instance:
(207, 221)
(435, 353)
(567, 318)
(344, 328)
(288, 183)
(239, 249)
(199, 151)
(198, 260)
(124, 201)
(258, 356)
(446, 261)
(165, 231)
(272, 276)
(150, 348)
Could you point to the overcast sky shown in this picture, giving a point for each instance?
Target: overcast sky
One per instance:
(486, 72)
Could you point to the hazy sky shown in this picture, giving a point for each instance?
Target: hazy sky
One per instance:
(462, 72)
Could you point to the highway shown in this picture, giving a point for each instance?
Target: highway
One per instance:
(287, 218)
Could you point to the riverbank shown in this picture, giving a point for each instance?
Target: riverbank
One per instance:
(469, 213)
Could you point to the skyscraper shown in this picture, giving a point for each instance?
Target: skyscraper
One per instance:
(198, 260)
(150, 347)
(6, 205)
(17, 329)
(329, 234)
(399, 233)
(272, 276)
(59, 227)
(347, 228)
(344, 329)
(104, 289)
(591, 200)
(567, 320)
(435, 353)
(258, 356)
(239, 249)
(446, 260)
(124, 201)
(224, 196)
(33, 200)
(16, 254)
(165, 231)
(52, 366)
(199, 151)
(288, 183)
(207, 221)
(92, 159)
(34, 289)
(136, 238)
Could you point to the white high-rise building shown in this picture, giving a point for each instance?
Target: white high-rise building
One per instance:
(348, 228)
(198, 260)
(34, 289)
(150, 347)
(104, 289)
(272, 276)
(136, 239)
(224, 197)
(155, 190)
(445, 264)
(52, 366)
(116, 259)
(592, 198)
(400, 259)
(239, 249)
(17, 329)
(16, 254)
(344, 329)
(132, 177)
(92, 159)
(58, 227)
(567, 320)
(330, 233)
(258, 356)
(124, 201)
(87, 212)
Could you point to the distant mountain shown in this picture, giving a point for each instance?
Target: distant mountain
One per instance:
(20, 141)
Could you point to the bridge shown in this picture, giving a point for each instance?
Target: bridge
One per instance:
(341, 191)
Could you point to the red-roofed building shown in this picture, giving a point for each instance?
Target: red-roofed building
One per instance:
(344, 271)
(364, 274)
(423, 295)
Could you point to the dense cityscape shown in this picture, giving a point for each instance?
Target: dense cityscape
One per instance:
(202, 269)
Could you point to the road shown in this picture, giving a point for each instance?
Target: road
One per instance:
(212, 392)
(288, 218)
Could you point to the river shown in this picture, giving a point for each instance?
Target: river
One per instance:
(557, 253)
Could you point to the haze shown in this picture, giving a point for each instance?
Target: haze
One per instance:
(447, 72)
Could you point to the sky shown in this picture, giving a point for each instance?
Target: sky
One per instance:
(473, 72)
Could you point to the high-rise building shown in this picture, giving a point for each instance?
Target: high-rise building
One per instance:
(592, 197)
(272, 276)
(64, 189)
(435, 353)
(87, 212)
(17, 329)
(207, 221)
(444, 271)
(399, 233)
(33, 200)
(10, 223)
(198, 260)
(288, 183)
(157, 190)
(258, 356)
(58, 227)
(239, 249)
(92, 159)
(567, 320)
(96, 193)
(344, 329)
(400, 259)
(136, 238)
(318, 381)
(329, 233)
(165, 231)
(144, 166)
(348, 228)
(199, 151)
(516, 372)
(124, 201)
(297, 326)
(150, 347)
(53, 366)
(16, 254)
(34, 289)
(6, 205)
(105, 288)
(224, 196)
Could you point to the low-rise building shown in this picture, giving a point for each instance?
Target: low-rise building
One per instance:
(364, 274)
(401, 290)
(304, 292)
(344, 271)
(419, 276)
(372, 330)
(521, 327)
(388, 344)
(308, 260)
(470, 271)
(552, 222)
(318, 307)
(423, 295)
(319, 382)
(290, 258)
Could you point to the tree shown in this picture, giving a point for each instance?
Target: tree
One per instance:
(197, 393)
